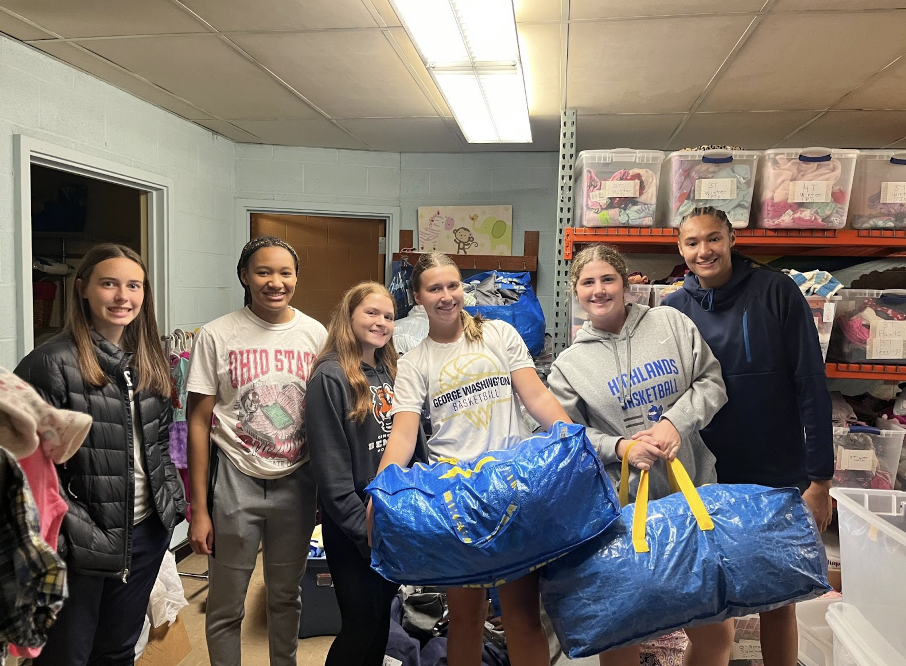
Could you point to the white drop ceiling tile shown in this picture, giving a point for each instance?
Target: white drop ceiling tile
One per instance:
(206, 71)
(398, 38)
(887, 90)
(385, 11)
(852, 129)
(100, 18)
(539, 46)
(290, 132)
(407, 135)
(228, 15)
(347, 74)
(629, 131)
(228, 130)
(750, 131)
(20, 29)
(812, 5)
(780, 68)
(603, 9)
(536, 10)
(106, 71)
(639, 66)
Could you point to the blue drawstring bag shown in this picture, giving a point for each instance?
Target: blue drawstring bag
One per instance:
(492, 520)
(690, 559)
(525, 315)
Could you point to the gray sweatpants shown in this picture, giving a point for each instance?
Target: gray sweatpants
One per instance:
(246, 512)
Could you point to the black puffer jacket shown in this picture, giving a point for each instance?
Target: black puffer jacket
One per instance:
(98, 482)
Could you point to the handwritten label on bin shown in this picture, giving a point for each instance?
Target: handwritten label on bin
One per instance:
(622, 188)
(715, 189)
(862, 460)
(885, 348)
(893, 193)
(746, 649)
(888, 330)
(829, 309)
(810, 191)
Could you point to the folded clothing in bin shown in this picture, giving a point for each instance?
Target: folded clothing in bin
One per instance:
(490, 520)
(700, 556)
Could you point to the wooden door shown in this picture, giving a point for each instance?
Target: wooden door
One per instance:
(334, 254)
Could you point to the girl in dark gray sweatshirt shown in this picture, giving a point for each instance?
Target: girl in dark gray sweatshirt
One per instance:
(643, 382)
(347, 412)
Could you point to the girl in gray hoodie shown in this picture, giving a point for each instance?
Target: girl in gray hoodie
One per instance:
(643, 382)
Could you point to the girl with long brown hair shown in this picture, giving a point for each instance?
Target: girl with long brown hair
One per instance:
(458, 350)
(347, 411)
(122, 489)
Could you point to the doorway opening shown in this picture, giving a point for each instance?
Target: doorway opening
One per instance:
(335, 253)
(71, 214)
(66, 180)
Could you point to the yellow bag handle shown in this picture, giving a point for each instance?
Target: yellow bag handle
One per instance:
(679, 481)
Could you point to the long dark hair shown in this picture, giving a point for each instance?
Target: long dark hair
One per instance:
(140, 336)
(342, 342)
(251, 248)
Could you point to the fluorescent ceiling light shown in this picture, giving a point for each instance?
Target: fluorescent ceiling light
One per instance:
(472, 52)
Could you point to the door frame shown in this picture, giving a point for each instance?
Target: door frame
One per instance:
(245, 208)
(30, 151)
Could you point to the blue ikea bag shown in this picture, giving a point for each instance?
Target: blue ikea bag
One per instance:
(525, 315)
(494, 519)
(692, 558)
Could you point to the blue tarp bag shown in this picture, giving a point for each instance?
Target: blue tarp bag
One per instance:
(525, 315)
(692, 558)
(494, 519)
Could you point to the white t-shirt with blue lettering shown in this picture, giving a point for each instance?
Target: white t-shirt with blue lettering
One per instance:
(470, 395)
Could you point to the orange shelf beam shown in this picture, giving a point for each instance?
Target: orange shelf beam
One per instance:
(895, 373)
(832, 242)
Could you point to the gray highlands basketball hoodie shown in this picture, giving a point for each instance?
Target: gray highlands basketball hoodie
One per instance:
(657, 367)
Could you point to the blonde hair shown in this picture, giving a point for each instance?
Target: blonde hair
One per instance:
(607, 253)
(341, 341)
(471, 326)
(140, 336)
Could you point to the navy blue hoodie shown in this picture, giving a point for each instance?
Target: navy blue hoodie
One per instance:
(776, 428)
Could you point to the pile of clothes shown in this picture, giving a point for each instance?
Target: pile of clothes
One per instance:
(863, 459)
(779, 210)
(852, 332)
(686, 173)
(602, 208)
(881, 215)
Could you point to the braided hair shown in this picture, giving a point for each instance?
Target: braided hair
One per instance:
(708, 211)
(251, 248)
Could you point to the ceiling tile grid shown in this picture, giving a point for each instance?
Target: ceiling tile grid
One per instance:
(647, 74)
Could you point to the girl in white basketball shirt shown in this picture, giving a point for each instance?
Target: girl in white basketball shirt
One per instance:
(249, 372)
(470, 372)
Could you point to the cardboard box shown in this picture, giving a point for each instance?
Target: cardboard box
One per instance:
(167, 645)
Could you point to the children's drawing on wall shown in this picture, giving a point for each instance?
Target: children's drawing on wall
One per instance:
(466, 229)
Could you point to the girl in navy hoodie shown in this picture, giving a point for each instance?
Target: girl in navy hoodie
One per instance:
(776, 428)
(347, 413)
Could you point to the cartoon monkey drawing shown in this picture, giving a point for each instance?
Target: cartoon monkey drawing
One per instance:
(464, 240)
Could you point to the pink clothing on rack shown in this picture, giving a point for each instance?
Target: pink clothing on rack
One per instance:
(45, 487)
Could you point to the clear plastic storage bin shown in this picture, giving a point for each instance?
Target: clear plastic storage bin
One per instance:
(617, 187)
(866, 457)
(870, 327)
(724, 179)
(879, 191)
(824, 311)
(816, 640)
(856, 641)
(806, 188)
(661, 291)
(637, 293)
(873, 552)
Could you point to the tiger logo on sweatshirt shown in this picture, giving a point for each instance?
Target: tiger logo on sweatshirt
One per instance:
(383, 402)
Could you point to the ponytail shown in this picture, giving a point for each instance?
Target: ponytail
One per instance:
(471, 326)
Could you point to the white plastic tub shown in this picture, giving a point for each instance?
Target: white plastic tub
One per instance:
(816, 640)
(857, 642)
(873, 554)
